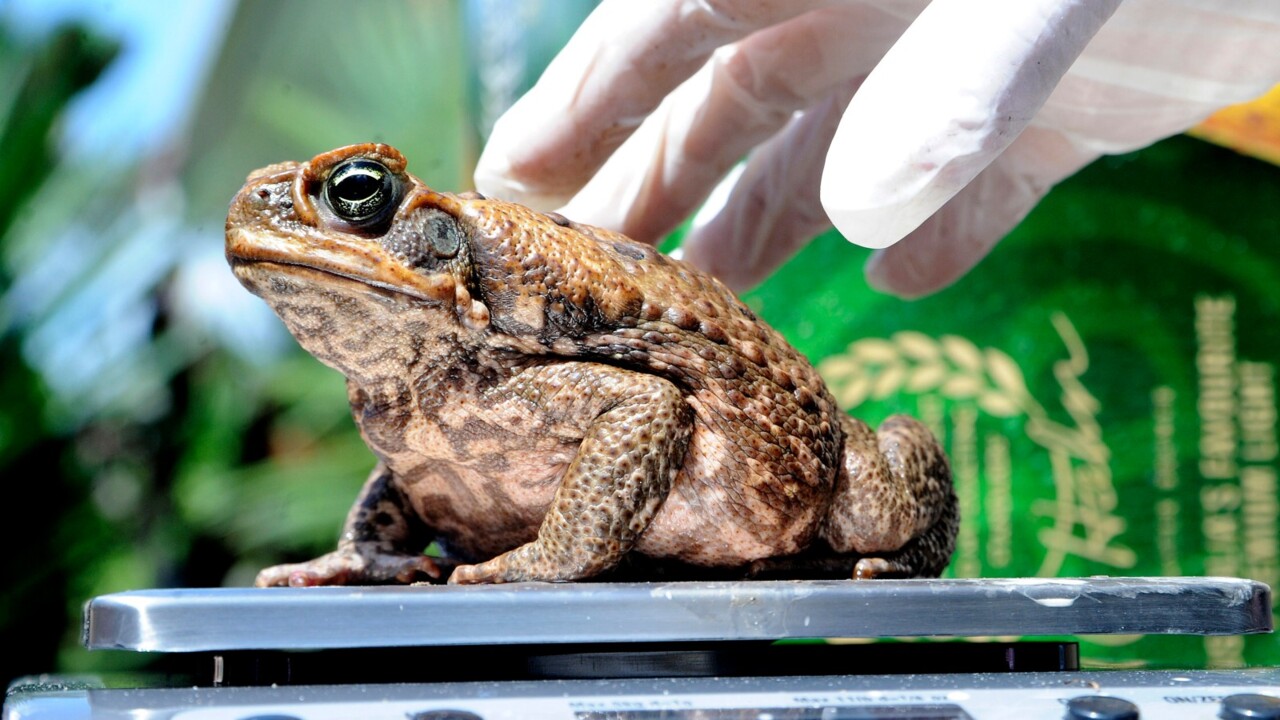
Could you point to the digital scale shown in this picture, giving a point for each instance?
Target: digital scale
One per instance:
(678, 650)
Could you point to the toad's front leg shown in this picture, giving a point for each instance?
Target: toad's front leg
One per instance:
(382, 542)
(637, 428)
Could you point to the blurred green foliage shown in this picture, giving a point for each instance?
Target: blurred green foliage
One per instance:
(183, 461)
(53, 526)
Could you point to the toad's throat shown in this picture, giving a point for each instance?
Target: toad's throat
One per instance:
(366, 265)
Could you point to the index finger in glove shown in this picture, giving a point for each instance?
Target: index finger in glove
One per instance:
(615, 70)
(956, 89)
(955, 238)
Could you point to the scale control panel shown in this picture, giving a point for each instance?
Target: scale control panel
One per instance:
(1112, 695)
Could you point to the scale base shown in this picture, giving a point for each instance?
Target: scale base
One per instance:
(643, 651)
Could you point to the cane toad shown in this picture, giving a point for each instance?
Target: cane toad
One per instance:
(548, 400)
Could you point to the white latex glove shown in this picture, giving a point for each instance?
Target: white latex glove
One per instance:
(974, 110)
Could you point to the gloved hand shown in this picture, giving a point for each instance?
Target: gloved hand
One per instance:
(975, 108)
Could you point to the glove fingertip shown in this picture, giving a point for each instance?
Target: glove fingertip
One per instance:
(495, 182)
(884, 276)
(930, 259)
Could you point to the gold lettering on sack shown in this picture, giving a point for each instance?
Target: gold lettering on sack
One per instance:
(1258, 487)
(1165, 478)
(1238, 451)
(1083, 513)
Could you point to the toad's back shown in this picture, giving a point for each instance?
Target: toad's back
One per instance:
(767, 440)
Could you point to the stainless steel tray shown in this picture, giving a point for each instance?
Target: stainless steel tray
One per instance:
(527, 613)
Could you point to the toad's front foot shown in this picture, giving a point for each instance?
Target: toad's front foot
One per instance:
(352, 565)
(533, 562)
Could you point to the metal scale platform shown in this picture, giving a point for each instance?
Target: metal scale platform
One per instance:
(596, 651)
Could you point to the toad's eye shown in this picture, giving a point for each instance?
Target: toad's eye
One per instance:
(361, 191)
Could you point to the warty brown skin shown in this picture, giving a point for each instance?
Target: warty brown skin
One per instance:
(548, 400)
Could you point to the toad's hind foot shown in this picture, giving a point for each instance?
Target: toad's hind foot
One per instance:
(872, 568)
(356, 564)
(925, 556)
(894, 503)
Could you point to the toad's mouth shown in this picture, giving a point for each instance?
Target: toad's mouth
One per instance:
(363, 264)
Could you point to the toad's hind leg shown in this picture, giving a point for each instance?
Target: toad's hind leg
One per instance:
(894, 503)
